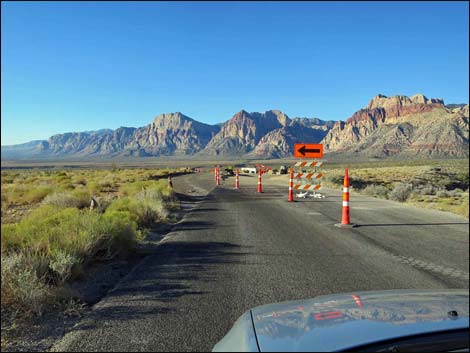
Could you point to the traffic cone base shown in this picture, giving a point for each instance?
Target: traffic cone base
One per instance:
(350, 225)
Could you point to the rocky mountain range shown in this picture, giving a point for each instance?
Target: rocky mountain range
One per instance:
(387, 126)
(403, 126)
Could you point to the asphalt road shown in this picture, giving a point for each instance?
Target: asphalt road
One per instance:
(237, 249)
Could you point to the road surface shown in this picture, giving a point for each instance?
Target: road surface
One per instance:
(237, 249)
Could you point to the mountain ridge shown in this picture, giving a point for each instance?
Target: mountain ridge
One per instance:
(386, 126)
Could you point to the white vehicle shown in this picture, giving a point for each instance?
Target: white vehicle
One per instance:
(248, 170)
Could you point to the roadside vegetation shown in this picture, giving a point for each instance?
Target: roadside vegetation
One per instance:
(50, 233)
(443, 186)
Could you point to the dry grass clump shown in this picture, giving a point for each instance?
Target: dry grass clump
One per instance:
(78, 198)
(19, 194)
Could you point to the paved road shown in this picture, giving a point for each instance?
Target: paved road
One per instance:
(239, 249)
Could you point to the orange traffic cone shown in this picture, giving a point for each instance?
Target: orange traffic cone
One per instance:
(345, 218)
(260, 186)
(290, 197)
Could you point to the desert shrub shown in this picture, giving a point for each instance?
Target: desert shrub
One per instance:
(335, 179)
(8, 178)
(94, 187)
(82, 197)
(49, 231)
(51, 245)
(463, 177)
(151, 207)
(401, 192)
(426, 190)
(77, 198)
(130, 189)
(36, 194)
(21, 288)
(15, 193)
(376, 190)
(65, 187)
(105, 184)
(145, 207)
(56, 241)
(80, 181)
(463, 209)
(159, 187)
(124, 205)
(456, 193)
(443, 193)
(62, 263)
(22, 194)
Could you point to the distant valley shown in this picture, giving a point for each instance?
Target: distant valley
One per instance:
(397, 126)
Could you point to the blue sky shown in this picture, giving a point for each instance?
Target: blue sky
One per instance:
(85, 65)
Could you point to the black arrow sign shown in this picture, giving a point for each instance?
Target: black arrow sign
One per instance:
(304, 150)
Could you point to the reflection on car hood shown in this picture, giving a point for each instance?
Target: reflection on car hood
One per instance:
(337, 322)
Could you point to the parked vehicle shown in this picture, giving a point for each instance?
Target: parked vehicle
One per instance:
(385, 321)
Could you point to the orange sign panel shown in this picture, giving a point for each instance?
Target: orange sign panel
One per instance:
(308, 150)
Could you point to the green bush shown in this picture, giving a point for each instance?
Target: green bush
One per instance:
(124, 205)
(82, 197)
(145, 207)
(94, 187)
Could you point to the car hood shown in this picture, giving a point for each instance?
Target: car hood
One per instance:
(338, 322)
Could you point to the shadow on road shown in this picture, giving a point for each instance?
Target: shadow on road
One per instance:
(193, 225)
(206, 209)
(190, 198)
(177, 269)
(408, 224)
